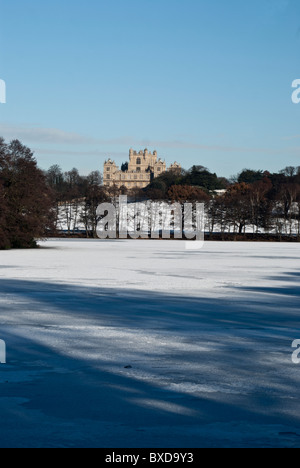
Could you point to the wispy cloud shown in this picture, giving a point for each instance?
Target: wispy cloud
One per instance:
(176, 144)
(43, 135)
(292, 137)
(63, 152)
(47, 140)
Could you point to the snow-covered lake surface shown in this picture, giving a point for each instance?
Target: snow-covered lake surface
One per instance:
(145, 344)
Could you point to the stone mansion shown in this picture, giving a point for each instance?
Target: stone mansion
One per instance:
(143, 167)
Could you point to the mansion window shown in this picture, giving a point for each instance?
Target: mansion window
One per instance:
(139, 161)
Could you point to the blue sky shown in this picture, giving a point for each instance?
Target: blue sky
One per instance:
(201, 81)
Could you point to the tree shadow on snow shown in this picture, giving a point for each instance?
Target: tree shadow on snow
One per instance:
(196, 367)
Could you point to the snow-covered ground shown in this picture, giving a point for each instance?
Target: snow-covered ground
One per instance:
(145, 344)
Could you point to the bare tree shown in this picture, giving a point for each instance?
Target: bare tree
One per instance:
(26, 201)
(95, 194)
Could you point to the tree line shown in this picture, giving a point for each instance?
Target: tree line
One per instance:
(36, 204)
(76, 199)
(253, 201)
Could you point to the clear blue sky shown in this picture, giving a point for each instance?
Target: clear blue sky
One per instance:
(201, 81)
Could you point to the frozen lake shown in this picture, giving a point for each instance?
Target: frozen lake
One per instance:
(145, 344)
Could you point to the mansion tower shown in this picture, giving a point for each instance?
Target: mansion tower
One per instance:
(143, 167)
